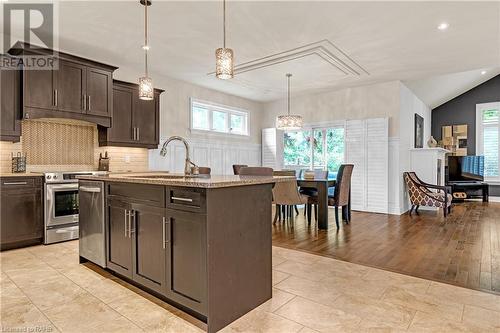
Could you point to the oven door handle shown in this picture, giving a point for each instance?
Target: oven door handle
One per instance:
(89, 189)
(63, 187)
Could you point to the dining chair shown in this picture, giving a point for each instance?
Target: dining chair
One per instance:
(204, 170)
(283, 209)
(237, 167)
(285, 196)
(340, 196)
(255, 171)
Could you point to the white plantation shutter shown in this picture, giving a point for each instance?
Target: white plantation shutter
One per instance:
(377, 176)
(272, 148)
(488, 138)
(367, 147)
(356, 154)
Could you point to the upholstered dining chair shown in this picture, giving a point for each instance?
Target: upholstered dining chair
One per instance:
(423, 194)
(284, 209)
(340, 196)
(255, 171)
(286, 195)
(237, 167)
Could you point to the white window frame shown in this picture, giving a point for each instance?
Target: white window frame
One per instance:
(480, 132)
(318, 126)
(228, 110)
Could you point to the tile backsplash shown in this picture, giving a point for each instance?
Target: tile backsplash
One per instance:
(61, 144)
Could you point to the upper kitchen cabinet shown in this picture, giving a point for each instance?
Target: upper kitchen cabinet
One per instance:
(136, 122)
(76, 88)
(10, 104)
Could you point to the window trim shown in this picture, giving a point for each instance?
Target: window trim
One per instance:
(480, 132)
(228, 110)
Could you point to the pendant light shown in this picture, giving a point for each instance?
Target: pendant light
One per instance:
(224, 57)
(146, 91)
(289, 121)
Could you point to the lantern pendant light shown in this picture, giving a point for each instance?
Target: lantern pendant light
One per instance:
(289, 121)
(224, 57)
(146, 91)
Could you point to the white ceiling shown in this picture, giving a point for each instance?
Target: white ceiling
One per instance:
(389, 40)
(436, 90)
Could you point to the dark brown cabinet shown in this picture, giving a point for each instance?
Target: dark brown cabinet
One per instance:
(162, 249)
(10, 104)
(119, 250)
(69, 94)
(135, 121)
(21, 221)
(186, 259)
(75, 88)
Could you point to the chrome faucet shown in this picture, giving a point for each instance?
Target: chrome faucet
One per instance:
(187, 165)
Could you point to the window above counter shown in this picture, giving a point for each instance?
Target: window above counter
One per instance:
(216, 118)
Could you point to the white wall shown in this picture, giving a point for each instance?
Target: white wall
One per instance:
(409, 105)
(373, 101)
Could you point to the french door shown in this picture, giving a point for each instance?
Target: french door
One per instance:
(315, 148)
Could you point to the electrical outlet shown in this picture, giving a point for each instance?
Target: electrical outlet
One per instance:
(127, 158)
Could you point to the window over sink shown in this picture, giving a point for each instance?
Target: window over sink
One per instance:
(216, 118)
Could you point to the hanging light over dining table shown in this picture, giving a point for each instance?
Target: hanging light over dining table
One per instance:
(224, 57)
(288, 122)
(146, 90)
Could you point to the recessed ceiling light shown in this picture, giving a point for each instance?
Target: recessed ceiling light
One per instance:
(483, 72)
(443, 26)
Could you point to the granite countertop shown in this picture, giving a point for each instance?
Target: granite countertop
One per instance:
(21, 174)
(202, 181)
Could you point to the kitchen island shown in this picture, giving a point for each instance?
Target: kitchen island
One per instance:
(200, 243)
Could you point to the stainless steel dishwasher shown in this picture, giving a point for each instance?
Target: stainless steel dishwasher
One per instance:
(92, 229)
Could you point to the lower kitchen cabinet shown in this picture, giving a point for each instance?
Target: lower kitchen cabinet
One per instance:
(119, 249)
(159, 248)
(187, 259)
(149, 246)
(21, 220)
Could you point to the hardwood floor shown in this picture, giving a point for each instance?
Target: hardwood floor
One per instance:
(463, 249)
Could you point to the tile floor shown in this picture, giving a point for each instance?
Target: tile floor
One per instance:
(44, 289)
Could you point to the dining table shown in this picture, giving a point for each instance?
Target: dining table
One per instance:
(322, 186)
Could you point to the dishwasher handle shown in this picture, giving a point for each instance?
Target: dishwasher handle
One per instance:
(90, 189)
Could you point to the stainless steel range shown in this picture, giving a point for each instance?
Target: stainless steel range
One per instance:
(61, 205)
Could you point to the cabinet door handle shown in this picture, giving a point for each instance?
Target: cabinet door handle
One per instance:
(88, 102)
(131, 218)
(133, 134)
(182, 199)
(126, 221)
(138, 133)
(163, 232)
(55, 97)
(16, 183)
(84, 102)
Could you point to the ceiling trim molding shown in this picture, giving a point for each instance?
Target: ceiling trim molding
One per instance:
(324, 49)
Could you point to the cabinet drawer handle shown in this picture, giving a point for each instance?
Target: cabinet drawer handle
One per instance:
(16, 183)
(182, 199)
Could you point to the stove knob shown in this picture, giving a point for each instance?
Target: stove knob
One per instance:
(49, 176)
(55, 176)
